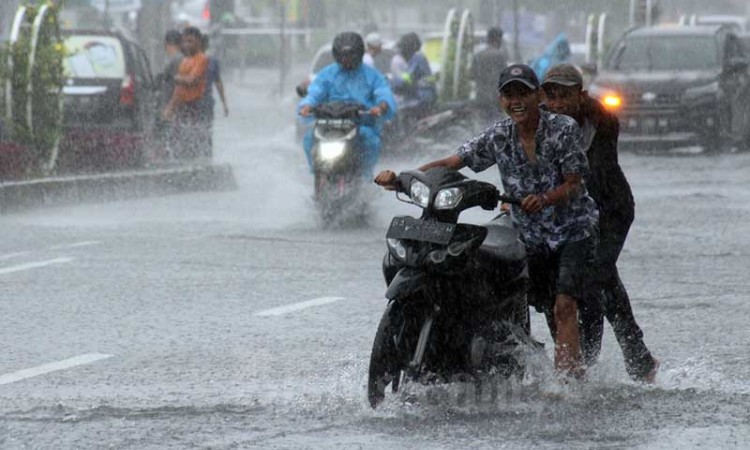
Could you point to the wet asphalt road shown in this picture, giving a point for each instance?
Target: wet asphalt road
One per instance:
(170, 302)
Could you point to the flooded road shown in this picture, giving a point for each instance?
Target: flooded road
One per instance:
(232, 320)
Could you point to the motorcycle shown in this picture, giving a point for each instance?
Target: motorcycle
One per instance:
(337, 161)
(457, 306)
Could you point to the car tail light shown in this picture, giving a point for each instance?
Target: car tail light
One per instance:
(206, 14)
(127, 91)
(612, 102)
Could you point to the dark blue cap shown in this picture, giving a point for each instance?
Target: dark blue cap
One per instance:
(518, 72)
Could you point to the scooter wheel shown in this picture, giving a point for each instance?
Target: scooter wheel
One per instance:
(384, 363)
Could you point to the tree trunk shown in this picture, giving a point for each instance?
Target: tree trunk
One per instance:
(153, 21)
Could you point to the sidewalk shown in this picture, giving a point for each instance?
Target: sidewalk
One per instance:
(18, 195)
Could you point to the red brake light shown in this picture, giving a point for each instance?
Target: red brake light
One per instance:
(127, 91)
(206, 12)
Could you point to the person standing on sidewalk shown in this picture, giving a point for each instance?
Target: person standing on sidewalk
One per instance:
(485, 69)
(165, 82)
(213, 78)
(184, 107)
(564, 94)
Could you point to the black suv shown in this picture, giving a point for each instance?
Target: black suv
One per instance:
(681, 85)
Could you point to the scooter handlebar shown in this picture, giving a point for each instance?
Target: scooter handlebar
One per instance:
(509, 199)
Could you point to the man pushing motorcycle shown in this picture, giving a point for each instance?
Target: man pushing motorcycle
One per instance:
(541, 161)
(348, 80)
(564, 94)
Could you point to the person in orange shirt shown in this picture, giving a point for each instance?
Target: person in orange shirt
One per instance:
(185, 105)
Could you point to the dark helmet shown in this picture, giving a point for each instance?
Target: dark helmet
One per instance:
(348, 46)
(408, 45)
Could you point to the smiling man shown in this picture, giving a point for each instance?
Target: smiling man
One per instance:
(541, 161)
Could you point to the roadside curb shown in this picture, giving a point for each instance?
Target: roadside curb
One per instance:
(56, 191)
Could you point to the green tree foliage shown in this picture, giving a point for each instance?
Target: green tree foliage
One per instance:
(35, 116)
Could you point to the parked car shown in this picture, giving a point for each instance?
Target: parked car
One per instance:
(678, 84)
(110, 104)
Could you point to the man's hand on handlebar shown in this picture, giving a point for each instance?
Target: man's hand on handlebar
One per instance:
(305, 111)
(376, 111)
(533, 203)
(387, 179)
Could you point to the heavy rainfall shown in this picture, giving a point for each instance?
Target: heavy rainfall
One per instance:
(195, 254)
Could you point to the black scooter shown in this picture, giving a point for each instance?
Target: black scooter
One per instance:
(457, 303)
(337, 160)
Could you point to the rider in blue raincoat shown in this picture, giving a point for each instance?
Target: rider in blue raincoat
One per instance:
(348, 80)
(558, 51)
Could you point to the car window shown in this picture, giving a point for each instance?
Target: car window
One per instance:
(91, 56)
(644, 53)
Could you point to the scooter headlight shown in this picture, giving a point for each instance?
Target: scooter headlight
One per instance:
(331, 150)
(420, 193)
(448, 198)
(398, 246)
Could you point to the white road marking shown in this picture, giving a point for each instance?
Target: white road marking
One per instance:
(75, 245)
(51, 367)
(13, 255)
(34, 265)
(298, 306)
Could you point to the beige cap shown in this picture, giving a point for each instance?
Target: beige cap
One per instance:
(564, 74)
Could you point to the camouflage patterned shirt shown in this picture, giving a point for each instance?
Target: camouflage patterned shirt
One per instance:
(558, 152)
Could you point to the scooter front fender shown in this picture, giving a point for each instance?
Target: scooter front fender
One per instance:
(407, 281)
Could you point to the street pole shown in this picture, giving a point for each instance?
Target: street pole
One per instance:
(152, 24)
(394, 15)
(516, 33)
(106, 14)
(282, 46)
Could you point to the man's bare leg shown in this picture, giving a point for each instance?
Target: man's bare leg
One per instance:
(567, 345)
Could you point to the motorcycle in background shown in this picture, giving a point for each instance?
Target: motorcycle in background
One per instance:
(337, 161)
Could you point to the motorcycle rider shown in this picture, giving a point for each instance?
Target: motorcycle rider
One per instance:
(348, 80)
(412, 74)
(376, 56)
(540, 161)
(563, 94)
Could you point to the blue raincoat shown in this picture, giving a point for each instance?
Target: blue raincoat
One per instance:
(556, 52)
(363, 85)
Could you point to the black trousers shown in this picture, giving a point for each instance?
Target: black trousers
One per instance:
(608, 298)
